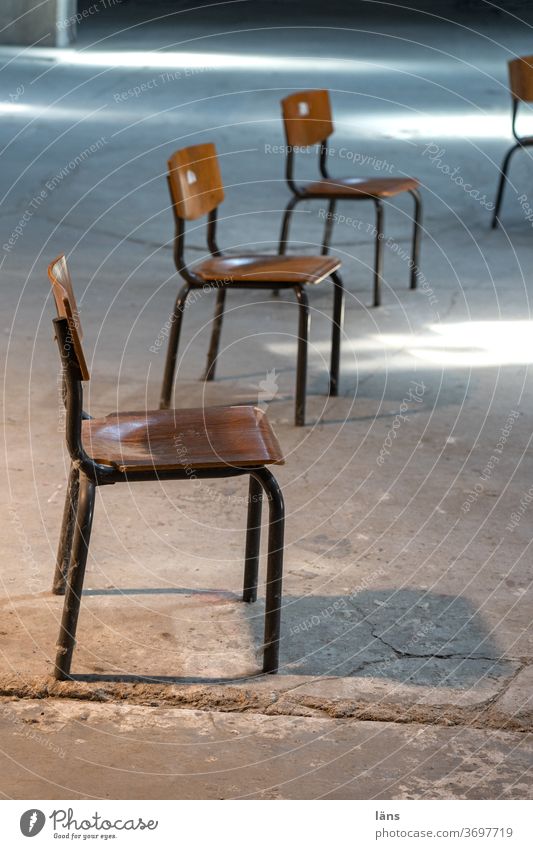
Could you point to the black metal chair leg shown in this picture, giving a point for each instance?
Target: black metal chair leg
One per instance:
(378, 252)
(76, 574)
(417, 227)
(274, 570)
(67, 532)
(215, 335)
(284, 235)
(301, 364)
(501, 184)
(328, 229)
(172, 351)
(253, 541)
(338, 320)
(287, 216)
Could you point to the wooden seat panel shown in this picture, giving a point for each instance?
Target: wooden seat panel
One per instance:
(198, 438)
(255, 268)
(379, 187)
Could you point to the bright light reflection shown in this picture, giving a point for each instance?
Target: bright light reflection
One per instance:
(406, 125)
(219, 61)
(67, 113)
(238, 61)
(431, 126)
(468, 344)
(474, 344)
(424, 127)
(14, 108)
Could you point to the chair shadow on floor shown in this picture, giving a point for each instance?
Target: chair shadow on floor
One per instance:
(406, 636)
(409, 636)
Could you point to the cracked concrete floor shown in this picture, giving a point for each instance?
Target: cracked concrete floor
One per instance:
(407, 588)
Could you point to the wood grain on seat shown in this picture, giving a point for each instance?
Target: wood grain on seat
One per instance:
(267, 269)
(201, 438)
(379, 187)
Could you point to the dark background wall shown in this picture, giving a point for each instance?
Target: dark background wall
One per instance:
(262, 8)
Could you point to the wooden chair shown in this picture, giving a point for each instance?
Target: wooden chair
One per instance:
(215, 442)
(307, 120)
(196, 190)
(521, 86)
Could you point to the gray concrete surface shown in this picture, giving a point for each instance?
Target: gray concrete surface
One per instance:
(407, 589)
(58, 749)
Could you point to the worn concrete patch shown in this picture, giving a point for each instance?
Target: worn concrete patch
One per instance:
(415, 622)
(420, 681)
(445, 679)
(326, 636)
(287, 696)
(517, 700)
(201, 638)
(57, 749)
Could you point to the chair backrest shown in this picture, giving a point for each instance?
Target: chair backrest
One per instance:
(66, 306)
(195, 182)
(521, 78)
(307, 117)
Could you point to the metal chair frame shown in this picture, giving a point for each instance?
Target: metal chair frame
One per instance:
(300, 194)
(86, 474)
(193, 281)
(521, 143)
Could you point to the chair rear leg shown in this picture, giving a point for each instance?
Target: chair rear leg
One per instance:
(76, 574)
(284, 235)
(287, 216)
(253, 541)
(338, 320)
(501, 184)
(215, 335)
(417, 229)
(172, 350)
(378, 252)
(304, 322)
(328, 229)
(67, 532)
(274, 570)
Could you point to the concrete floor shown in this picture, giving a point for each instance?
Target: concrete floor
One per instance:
(104, 751)
(407, 590)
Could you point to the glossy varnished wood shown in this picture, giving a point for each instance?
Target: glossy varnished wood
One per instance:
(201, 438)
(195, 181)
(351, 187)
(211, 437)
(295, 270)
(521, 78)
(307, 117)
(66, 306)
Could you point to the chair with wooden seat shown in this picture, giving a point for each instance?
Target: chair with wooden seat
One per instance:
(196, 190)
(521, 87)
(308, 121)
(131, 447)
